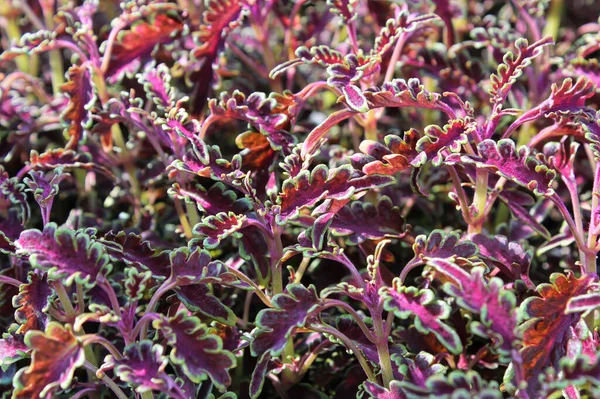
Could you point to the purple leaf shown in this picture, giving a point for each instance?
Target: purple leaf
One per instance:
(56, 355)
(523, 167)
(429, 313)
(436, 140)
(443, 246)
(386, 159)
(12, 349)
(360, 221)
(509, 257)
(66, 254)
(354, 98)
(276, 325)
(339, 184)
(546, 325)
(44, 188)
(133, 250)
(32, 303)
(143, 368)
(513, 67)
(199, 352)
(199, 298)
(214, 229)
(496, 305)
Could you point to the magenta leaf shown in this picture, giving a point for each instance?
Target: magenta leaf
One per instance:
(12, 349)
(134, 250)
(157, 85)
(143, 368)
(308, 188)
(523, 167)
(429, 313)
(509, 257)
(513, 66)
(400, 93)
(214, 229)
(56, 354)
(274, 326)
(386, 159)
(32, 303)
(360, 221)
(215, 200)
(568, 99)
(66, 254)
(44, 187)
(488, 298)
(451, 137)
(546, 324)
(198, 351)
(443, 246)
(354, 98)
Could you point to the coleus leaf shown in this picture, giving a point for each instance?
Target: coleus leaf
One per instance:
(360, 221)
(134, 250)
(523, 167)
(400, 93)
(417, 370)
(135, 45)
(30, 43)
(456, 385)
(546, 325)
(451, 137)
(395, 27)
(496, 305)
(219, 18)
(137, 283)
(44, 188)
(270, 115)
(157, 85)
(56, 355)
(67, 160)
(386, 159)
(338, 184)
(199, 298)
(514, 201)
(346, 9)
(214, 229)
(512, 68)
(429, 313)
(274, 326)
(442, 245)
(199, 352)
(509, 257)
(578, 372)
(80, 90)
(12, 349)
(318, 55)
(565, 100)
(32, 303)
(143, 368)
(66, 254)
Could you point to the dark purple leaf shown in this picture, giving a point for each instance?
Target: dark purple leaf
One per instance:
(199, 352)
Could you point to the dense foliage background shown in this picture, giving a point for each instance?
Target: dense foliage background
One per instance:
(299, 199)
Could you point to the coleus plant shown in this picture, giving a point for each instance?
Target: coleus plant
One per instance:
(259, 198)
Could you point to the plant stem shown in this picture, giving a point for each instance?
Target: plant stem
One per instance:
(185, 224)
(481, 187)
(361, 324)
(9, 280)
(382, 348)
(364, 363)
(64, 299)
(257, 290)
(107, 380)
(462, 196)
(301, 269)
(56, 61)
